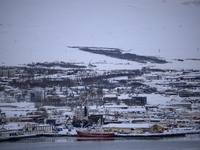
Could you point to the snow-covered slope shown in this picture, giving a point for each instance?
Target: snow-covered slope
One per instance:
(32, 31)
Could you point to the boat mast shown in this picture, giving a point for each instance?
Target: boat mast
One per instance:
(84, 111)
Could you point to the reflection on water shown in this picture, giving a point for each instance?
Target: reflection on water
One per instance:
(46, 139)
(190, 137)
(95, 138)
(72, 143)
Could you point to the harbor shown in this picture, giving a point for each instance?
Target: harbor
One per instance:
(49, 143)
(94, 135)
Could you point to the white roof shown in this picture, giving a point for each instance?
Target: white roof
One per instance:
(110, 95)
(124, 96)
(111, 105)
(127, 125)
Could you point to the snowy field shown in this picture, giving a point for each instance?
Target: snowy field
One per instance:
(40, 31)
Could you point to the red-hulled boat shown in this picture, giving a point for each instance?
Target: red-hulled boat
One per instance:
(94, 134)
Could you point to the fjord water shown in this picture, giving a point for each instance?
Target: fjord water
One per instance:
(62, 143)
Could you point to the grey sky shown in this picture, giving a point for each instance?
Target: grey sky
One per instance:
(38, 30)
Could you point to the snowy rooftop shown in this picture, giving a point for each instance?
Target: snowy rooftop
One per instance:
(17, 109)
(128, 125)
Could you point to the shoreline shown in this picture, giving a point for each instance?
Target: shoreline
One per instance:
(145, 135)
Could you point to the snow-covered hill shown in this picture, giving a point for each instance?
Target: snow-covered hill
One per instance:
(39, 31)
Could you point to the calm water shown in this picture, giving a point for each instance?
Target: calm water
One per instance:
(191, 142)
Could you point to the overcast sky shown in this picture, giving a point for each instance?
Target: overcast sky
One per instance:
(39, 30)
